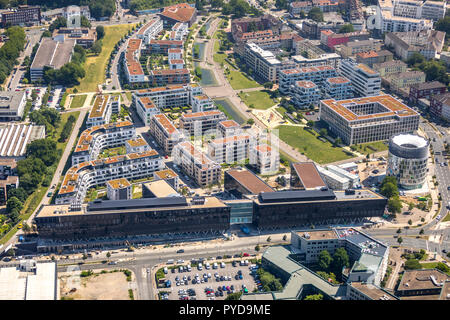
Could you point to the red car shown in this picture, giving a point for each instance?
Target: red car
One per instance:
(166, 157)
(245, 254)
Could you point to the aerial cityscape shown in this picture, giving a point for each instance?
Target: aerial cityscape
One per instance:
(251, 150)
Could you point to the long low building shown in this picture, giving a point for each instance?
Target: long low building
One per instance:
(14, 138)
(368, 119)
(12, 105)
(118, 218)
(85, 175)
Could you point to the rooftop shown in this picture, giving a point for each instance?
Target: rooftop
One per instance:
(318, 235)
(99, 107)
(166, 174)
(118, 183)
(165, 123)
(182, 12)
(53, 53)
(160, 189)
(308, 175)
(229, 124)
(422, 279)
(201, 114)
(138, 142)
(428, 85)
(249, 181)
(372, 291)
(11, 100)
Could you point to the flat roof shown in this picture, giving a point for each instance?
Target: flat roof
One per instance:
(161, 189)
(318, 234)
(53, 53)
(372, 291)
(422, 279)
(229, 124)
(138, 142)
(99, 107)
(10, 100)
(14, 138)
(165, 123)
(166, 174)
(308, 175)
(297, 195)
(249, 181)
(118, 183)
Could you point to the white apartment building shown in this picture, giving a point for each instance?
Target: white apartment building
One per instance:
(132, 66)
(196, 164)
(265, 159)
(338, 88)
(145, 108)
(365, 81)
(197, 123)
(288, 77)
(176, 64)
(175, 54)
(119, 189)
(115, 104)
(305, 94)
(326, 59)
(136, 145)
(201, 103)
(179, 31)
(170, 96)
(164, 132)
(231, 149)
(404, 15)
(229, 128)
(389, 68)
(368, 119)
(150, 30)
(100, 113)
(72, 12)
(80, 178)
(93, 140)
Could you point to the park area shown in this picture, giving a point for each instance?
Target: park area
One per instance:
(369, 148)
(78, 101)
(257, 99)
(307, 142)
(105, 285)
(95, 66)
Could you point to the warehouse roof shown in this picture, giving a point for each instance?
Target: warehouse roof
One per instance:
(53, 53)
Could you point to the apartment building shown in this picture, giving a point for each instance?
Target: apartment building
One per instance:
(265, 159)
(170, 96)
(338, 88)
(115, 104)
(168, 175)
(22, 15)
(169, 76)
(371, 57)
(426, 90)
(136, 145)
(390, 68)
(197, 123)
(145, 108)
(330, 39)
(229, 128)
(405, 80)
(440, 105)
(150, 30)
(304, 94)
(179, 31)
(176, 64)
(264, 22)
(162, 46)
(175, 54)
(196, 164)
(368, 119)
(93, 140)
(296, 7)
(395, 16)
(86, 175)
(100, 113)
(201, 103)
(351, 48)
(262, 62)
(132, 66)
(231, 149)
(326, 59)
(12, 105)
(164, 132)
(71, 12)
(119, 189)
(365, 81)
(428, 43)
(8, 178)
(288, 78)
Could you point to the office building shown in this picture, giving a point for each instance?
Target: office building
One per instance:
(93, 140)
(241, 182)
(8, 178)
(407, 160)
(428, 43)
(330, 39)
(365, 81)
(119, 189)
(84, 37)
(71, 12)
(305, 176)
(424, 284)
(82, 177)
(333, 180)
(51, 53)
(198, 123)
(196, 164)
(100, 113)
(164, 132)
(119, 218)
(368, 119)
(22, 15)
(264, 159)
(12, 105)
(367, 291)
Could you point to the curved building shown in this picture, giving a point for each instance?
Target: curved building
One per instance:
(408, 155)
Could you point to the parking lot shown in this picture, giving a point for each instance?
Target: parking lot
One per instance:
(204, 284)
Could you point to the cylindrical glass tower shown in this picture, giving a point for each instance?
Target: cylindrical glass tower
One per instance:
(408, 155)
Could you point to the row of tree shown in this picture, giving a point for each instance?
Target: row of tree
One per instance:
(10, 51)
(98, 9)
(389, 189)
(67, 129)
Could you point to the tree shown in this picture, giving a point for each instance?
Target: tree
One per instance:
(59, 22)
(257, 248)
(410, 222)
(268, 85)
(340, 260)
(234, 296)
(250, 121)
(324, 260)
(314, 297)
(108, 254)
(13, 204)
(412, 264)
(284, 238)
(100, 32)
(400, 240)
(85, 23)
(399, 230)
(323, 132)
(346, 28)
(315, 14)
(337, 142)
(443, 267)
(411, 206)
(394, 205)
(389, 190)
(310, 123)
(421, 231)
(97, 47)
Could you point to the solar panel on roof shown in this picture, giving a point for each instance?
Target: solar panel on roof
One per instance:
(136, 203)
(297, 195)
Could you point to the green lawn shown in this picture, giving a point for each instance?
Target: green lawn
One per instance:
(96, 66)
(447, 218)
(218, 57)
(371, 147)
(281, 110)
(64, 117)
(313, 148)
(430, 265)
(239, 81)
(78, 101)
(259, 99)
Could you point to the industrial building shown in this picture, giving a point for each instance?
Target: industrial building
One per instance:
(12, 105)
(14, 139)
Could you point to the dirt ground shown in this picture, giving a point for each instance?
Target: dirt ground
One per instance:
(107, 286)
